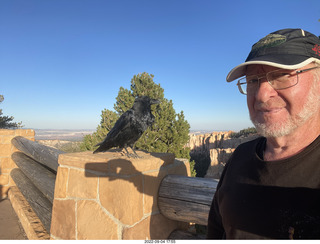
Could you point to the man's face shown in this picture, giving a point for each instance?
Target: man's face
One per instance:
(277, 113)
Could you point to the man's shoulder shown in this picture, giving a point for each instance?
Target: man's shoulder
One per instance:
(250, 147)
(252, 143)
(246, 151)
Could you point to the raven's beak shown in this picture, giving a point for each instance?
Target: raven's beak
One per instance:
(154, 101)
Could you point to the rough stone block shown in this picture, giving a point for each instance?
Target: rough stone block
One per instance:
(60, 190)
(63, 219)
(3, 163)
(154, 227)
(110, 196)
(4, 179)
(181, 167)
(6, 139)
(167, 226)
(93, 223)
(5, 149)
(6, 132)
(7, 163)
(80, 160)
(4, 171)
(114, 162)
(24, 132)
(151, 186)
(150, 161)
(123, 198)
(128, 166)
(82, 186)
(4, 191)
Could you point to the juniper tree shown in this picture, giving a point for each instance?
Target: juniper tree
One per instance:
(169, 132)
(6, 122)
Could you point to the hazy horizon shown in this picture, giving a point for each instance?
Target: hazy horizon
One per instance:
(77, 135)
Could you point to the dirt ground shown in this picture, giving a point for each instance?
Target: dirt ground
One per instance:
(10, 226)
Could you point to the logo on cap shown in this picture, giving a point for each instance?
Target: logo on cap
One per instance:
(270, 40)
(316, 49)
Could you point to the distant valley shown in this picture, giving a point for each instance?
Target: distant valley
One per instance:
(77, 135)
(65, 135)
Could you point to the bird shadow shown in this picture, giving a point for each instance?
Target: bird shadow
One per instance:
(148, 184)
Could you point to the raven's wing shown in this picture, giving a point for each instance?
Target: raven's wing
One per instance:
(115, 135)
(122, 123)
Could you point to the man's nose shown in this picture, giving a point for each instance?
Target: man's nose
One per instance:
(264, 90)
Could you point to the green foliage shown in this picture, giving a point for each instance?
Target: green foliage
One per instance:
(108, 119)
(244, 132)
(169, 133)
(70, 147)
(6, 121)
(202, 162)
(192, 168)
(124, 101)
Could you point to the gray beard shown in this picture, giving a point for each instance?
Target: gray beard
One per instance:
(285, 128)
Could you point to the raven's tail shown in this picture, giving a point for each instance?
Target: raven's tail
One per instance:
(102, 147)
(97, 150)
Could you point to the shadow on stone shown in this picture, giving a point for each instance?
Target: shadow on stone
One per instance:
(140, 196)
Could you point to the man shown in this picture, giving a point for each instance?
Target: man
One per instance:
(270, 187)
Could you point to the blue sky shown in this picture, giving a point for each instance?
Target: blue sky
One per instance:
(63, 61)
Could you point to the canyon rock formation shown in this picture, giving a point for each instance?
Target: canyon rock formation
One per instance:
(218, 146)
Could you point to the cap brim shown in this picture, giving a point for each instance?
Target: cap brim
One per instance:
(240, 70)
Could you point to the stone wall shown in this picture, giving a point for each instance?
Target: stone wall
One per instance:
(6, 163)
(110, 196)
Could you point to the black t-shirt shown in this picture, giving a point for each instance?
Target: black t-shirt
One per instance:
(256, 199)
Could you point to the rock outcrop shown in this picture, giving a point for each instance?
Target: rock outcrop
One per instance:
(219, 146)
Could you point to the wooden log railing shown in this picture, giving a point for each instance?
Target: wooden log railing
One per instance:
(35, 176)
(44, 155)
(39, 203)
(41, 177)
(186, 199)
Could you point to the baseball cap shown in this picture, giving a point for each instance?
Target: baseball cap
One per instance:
(284, 49)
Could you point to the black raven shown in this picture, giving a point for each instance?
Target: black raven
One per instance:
(130, 126)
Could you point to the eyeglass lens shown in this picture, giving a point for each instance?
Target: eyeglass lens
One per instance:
(279, 79)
